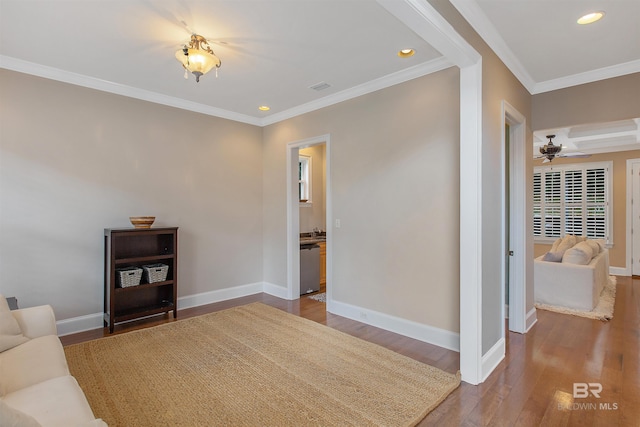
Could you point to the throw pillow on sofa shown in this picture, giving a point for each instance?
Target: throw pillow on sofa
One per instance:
(595, 247)
(579, 254)
(10, 332)
(567, 243)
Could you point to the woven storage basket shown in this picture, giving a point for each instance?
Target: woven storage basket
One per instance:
(129, 276)
(155, 272)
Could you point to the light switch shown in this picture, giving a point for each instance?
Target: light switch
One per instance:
(337, 223)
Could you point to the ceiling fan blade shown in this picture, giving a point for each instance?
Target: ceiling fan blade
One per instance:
(546, 160)
(574, 155)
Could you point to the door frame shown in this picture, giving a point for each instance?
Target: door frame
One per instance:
(293, 217)
(629, 228)
(518, 155)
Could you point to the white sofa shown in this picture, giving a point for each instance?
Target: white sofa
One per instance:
(571, 282)
(36, 388)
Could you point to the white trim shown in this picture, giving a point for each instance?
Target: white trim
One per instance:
(426, 22)
(493, 357)
(587, 77)
(518, 217)
(476, 17)
(96, 320)
(471, 223)
(275, 290)
(420, 70)
(293, 216)
(620, 271)
(106, 86)
(532, 319)
(407, 74)
(80, 324)
(419, 331)
(627, 270)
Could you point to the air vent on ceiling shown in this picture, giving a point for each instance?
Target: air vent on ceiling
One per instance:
(320, 86)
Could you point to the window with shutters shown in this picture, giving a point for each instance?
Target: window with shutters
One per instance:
(573, 199)
(304, 180)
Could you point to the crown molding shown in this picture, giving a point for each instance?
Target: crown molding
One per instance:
(420, 70)
(51, 73)
(587, 77)
(472, 12)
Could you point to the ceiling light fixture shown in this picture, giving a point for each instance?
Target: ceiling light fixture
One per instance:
(590, 18)
(406, 53)
(264, 108)
(197, 57)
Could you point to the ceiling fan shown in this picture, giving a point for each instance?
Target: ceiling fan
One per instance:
(551, 151)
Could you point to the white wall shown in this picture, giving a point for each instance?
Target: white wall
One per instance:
(395, 188)
(74, 161)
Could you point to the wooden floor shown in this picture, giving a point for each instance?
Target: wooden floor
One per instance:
(533, 386)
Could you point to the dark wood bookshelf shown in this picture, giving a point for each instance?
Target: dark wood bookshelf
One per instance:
(135, 247)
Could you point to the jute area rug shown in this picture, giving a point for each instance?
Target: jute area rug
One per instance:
(253, 365)
(602, 311)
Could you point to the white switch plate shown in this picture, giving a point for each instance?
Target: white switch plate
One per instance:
(337, 223)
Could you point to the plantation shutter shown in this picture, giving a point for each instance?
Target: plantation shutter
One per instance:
(573, 207)
(552, 204)
(596, 204)
(572, 199)
(537, 204)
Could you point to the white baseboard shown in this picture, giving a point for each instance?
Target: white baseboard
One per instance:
(218, 295)
(275, 290)
(95, 321)
(429, 334)
(531, 320)
(80, 324)
(492, 358)
(619, 271)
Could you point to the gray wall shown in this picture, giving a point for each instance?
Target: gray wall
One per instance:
(395, 188)
(74, 161)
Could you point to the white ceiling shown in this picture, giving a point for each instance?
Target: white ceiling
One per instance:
(272, 51)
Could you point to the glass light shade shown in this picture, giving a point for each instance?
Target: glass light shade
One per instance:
(198, 61)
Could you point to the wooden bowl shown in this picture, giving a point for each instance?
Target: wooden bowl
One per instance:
(142, 221)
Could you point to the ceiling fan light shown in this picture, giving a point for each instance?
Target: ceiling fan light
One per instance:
(590, 18)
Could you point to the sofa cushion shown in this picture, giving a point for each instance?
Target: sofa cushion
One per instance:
(10, 332)
(554, 247)
(38, 359)
(579, 254)
(11, 417)
(55, 402)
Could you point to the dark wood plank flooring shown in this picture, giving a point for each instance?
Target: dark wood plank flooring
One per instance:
(533, 386)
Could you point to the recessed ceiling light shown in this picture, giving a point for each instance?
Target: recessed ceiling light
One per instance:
(405, 53)
(590, 18)
(264, 108)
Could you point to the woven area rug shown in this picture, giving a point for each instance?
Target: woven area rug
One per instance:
(602, 311)
(253, 365)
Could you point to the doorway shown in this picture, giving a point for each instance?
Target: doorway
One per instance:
(633, 217)
(297, 222)
(518, 256)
